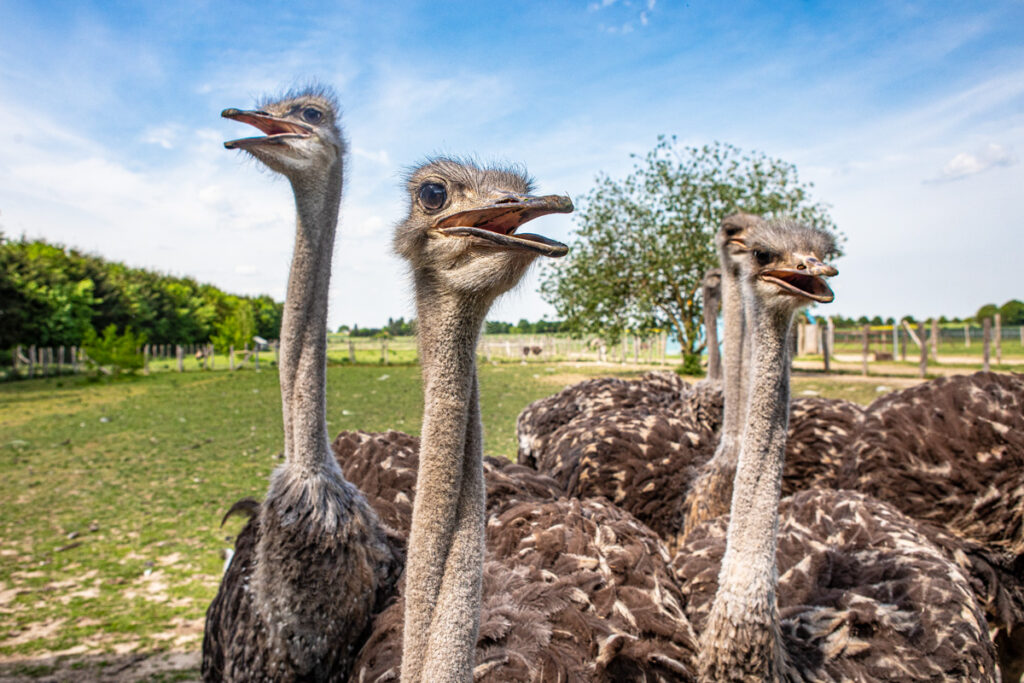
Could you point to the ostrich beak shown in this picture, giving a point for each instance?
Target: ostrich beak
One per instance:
(497, 221)
(807, 279)
(277, 129)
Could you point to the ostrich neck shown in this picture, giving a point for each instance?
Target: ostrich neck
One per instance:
(733, 370)
(445, 556)
(712, 302)
(745, 613)
(303, 353)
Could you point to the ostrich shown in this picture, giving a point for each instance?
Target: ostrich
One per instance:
(712, 303)
(644, 452)
(710, 491)
(567, 586)
(313, 562)
(460, 242)
(860, 584)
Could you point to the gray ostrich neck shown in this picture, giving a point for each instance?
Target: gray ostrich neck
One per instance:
(712, 302)
(745, 604)
(733, 358)
(445, 556)
(303, 353)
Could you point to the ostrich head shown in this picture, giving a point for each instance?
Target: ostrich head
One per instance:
(732, 230)
(782, 264)
(301, 133)
(462, 222)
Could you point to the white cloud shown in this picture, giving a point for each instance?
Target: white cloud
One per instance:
(966, 164)
(164, 135)
(380, 156)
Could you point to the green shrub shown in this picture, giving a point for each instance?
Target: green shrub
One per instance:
(113, 353)
(691, 365)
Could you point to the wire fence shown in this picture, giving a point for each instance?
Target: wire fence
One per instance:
(923, 343)
(39, 361)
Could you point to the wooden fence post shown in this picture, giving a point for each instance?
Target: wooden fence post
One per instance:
(999, 338)
(923, 369)
(986, 342)
(351, 352)
(967, 336)
(60, 360)
(826, 349)
(384, 350)
(895, 339)
(180, 353)
(935, 339)
(865, 347)
(145, 359)
(74, 359)
(903, 347)
(664, 348)
(231, 357)
(636, 350)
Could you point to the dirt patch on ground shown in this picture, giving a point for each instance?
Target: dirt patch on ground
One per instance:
(138, 666)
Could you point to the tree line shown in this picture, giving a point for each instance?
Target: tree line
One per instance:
(400, 327)
(1011, 313)
(52, 295)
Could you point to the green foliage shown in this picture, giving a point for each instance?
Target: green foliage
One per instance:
(1012, 312)
(113, 352)
(691, 366)
(50, 295)
(236, 330)
(986, 311)
(524, 326)
(644, 242)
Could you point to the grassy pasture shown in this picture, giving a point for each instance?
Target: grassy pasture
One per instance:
(111, 493)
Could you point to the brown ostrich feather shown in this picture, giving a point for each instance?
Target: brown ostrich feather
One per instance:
(862, 594)
(573, 591)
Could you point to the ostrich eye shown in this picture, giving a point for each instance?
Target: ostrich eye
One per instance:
(432, 196)
(312, 115)
(763, 257)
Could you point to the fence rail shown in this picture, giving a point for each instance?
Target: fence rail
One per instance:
(923, 343)
(38, 361)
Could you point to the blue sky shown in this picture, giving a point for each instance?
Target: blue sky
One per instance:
(907, 117)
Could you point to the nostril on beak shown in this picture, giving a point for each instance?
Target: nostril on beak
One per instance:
(801, 267)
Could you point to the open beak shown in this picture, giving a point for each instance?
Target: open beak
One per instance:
(276, 129)
(807, 280)
(498, 221)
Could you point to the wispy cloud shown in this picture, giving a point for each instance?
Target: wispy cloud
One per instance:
(967, 164)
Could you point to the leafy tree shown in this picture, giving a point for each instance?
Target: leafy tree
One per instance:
(1012, 312)
(644, 242)
(112, 352)
(986, 311)
(237, 330)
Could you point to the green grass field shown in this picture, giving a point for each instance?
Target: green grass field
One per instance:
(111, 493)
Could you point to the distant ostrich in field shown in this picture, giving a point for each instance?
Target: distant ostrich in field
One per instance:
(313, 562)
(863, 595)
(563, 578)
